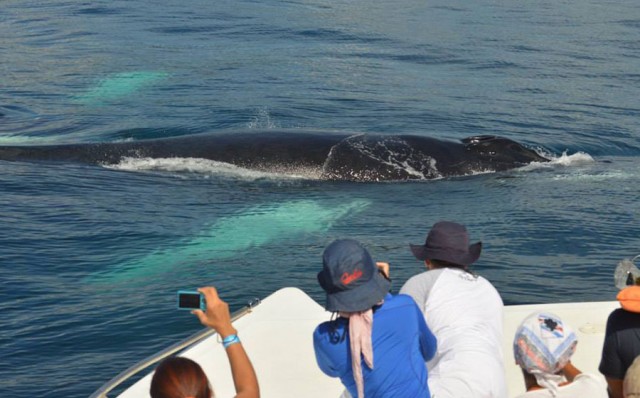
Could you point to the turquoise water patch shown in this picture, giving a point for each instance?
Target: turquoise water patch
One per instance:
(16, 139)
(230, 236)
(120, 85)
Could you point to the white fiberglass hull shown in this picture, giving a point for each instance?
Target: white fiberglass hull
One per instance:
(277, 334)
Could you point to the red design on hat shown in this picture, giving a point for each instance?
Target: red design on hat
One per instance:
(347, 278)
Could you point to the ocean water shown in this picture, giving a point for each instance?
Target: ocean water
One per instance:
(91, 256)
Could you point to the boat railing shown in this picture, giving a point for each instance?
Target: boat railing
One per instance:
(157, 357)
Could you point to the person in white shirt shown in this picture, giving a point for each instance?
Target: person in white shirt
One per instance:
(464, 311)
(542, 347)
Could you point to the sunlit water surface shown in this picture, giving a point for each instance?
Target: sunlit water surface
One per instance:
(92, 256)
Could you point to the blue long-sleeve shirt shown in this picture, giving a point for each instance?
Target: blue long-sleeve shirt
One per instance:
(402, 343)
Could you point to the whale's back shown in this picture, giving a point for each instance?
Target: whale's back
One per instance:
(333, 156)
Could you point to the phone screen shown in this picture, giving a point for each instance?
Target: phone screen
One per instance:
(189, 300)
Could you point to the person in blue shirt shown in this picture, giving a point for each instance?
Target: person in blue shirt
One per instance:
(379, 343)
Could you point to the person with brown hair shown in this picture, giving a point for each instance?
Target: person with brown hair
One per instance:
(179, 377)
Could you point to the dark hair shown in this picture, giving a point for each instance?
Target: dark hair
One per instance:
(446, 264)
(179, 377)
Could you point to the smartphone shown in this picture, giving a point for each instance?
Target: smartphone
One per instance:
(191, 300)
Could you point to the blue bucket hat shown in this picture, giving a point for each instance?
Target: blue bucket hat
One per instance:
(350, 277)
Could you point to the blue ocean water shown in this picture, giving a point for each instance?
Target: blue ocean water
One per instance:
(91, 256)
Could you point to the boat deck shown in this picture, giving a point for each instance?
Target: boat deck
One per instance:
(277, 335)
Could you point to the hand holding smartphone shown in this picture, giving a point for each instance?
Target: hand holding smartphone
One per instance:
(191, 300)
(213, 312)
(216, 315)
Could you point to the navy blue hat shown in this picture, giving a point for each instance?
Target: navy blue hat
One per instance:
(350, 277)
(448, 241)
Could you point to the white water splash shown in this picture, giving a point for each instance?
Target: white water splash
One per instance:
(262, 120)
(565, 160)
(210, 168)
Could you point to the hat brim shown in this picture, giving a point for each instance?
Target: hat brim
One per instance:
(361, 298)
(423, 253)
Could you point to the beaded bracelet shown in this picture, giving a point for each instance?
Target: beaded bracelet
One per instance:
(230, 340)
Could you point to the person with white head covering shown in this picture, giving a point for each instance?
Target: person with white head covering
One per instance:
(542, 347)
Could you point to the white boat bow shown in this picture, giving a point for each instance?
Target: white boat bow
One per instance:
(278, 336)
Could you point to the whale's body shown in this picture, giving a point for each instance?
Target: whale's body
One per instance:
(334, 156)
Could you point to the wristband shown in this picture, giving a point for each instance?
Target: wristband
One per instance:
(230, 340)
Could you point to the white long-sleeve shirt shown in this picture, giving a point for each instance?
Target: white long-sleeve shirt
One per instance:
(464, 312)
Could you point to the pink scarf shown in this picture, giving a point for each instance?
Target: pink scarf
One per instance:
(360, 328)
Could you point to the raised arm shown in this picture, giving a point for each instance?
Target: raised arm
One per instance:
(218, 318)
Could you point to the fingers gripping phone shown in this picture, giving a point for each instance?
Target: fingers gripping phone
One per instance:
(191, 300)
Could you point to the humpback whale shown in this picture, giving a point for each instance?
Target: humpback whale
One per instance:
(333, 156)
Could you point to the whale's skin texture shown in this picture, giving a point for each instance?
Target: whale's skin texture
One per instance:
(334, 156)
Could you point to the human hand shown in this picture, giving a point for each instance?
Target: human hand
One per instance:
(217, 315)
(384, 268)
